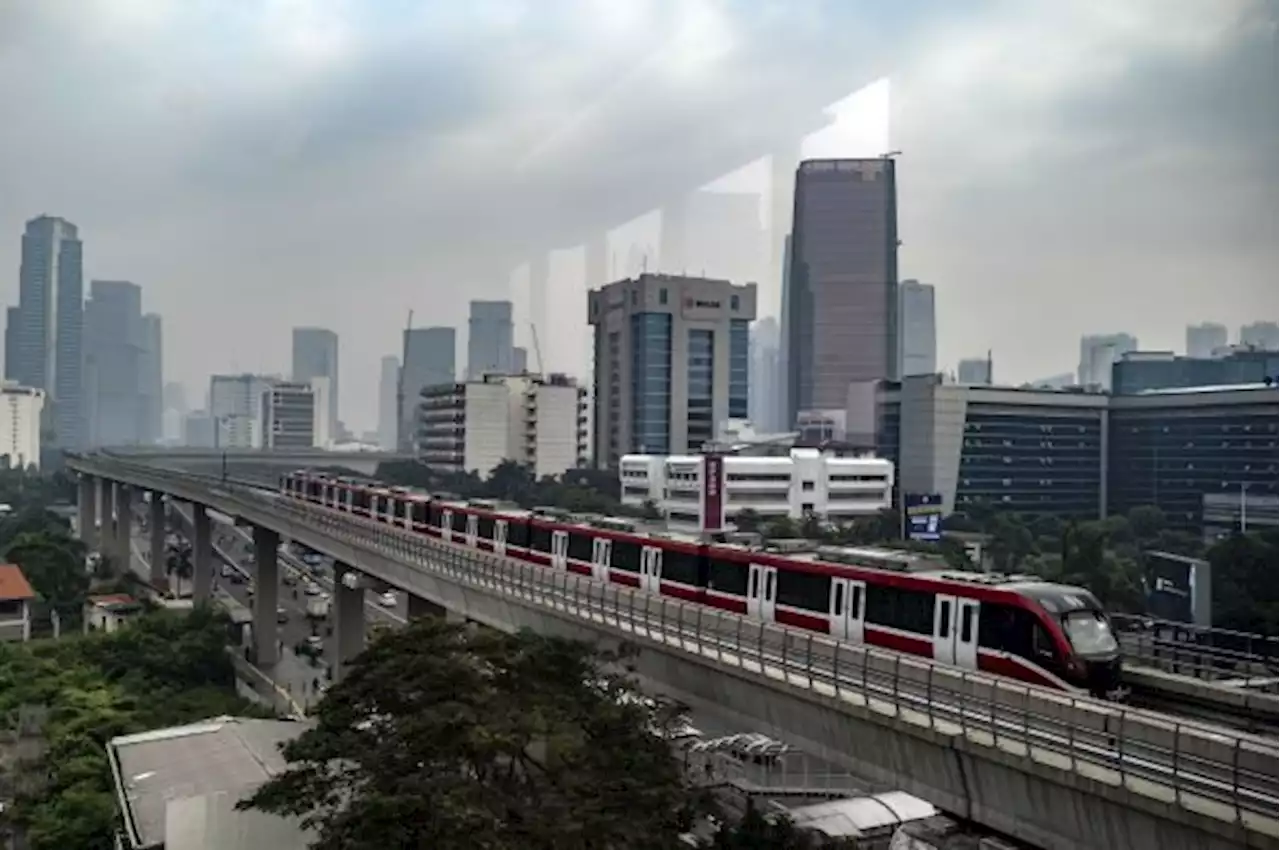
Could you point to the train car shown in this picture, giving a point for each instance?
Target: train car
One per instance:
(1017, 626)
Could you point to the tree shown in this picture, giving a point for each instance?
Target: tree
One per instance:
(747, 520)
(54, 567)
(447, 738)
(1242, 571)
(178, 563)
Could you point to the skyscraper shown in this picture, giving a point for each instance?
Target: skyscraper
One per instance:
(151, 380)
(842, 287)
(489, 339)
(918, 339)
(44, 337)
(672, 362)
(388, 381)
(1263, 335)
(1098, 352)
(765, 404)
(1204, 338)
(315, 355)
(429, 359)
(112, 402)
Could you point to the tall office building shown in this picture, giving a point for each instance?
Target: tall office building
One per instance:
(388, 381)
(151, 380)
(235, 406)
(428, 359)
(918, 339)
(1203, 339)
(489, 339)
(843, 312)
(43, 340)
(782, 417)
(1098, 352)
(974, 371)
(763, 380)
(1263, 335)
(112, 400)
(672, 363)
(315, 355)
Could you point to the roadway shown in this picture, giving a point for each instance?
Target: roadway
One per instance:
(1106, 766)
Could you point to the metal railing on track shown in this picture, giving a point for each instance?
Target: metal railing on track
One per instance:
(1124, 747)
(1197, 651)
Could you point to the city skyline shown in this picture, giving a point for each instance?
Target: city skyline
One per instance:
(982, 214)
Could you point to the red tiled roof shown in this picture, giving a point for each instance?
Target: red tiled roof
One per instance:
(13, 584)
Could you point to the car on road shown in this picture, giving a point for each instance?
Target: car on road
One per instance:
(282, 615)
(315, 642)
(388, 599)
(312, 589)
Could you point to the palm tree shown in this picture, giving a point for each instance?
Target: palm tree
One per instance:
(178, 562)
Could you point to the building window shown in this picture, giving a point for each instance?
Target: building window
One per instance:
(806, 486)
(635, 297)
(733, 303)
(662, 295)
(739, 368)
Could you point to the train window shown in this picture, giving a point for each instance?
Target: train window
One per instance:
(626, 556)
(580, 546)
(682, 567)
(362, 500)
(966, 625)
(539, 538)
(855, 599)
(484, 528)
(517, 533)
(1007, 628)
(433, 516)
(908, 610)
(838, 608)
(727, 576)
(944, 619)
(459, 521)
(419, 513)
(810, 591)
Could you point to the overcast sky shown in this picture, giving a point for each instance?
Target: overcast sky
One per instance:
(1067, 168)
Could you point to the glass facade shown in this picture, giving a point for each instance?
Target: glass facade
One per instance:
(842, 284)
(651, 383)
(739, 368)
(1143, 373)
(1031, 462)
(1172, 456)
(702, 370)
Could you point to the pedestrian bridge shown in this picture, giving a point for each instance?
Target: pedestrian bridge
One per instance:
(1048, 768)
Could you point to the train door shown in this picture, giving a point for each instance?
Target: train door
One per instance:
(651, 569)
(601, 548)
(944, 627)
(967, 633)
(500, 536)
(446, 524)
(762, 590)
(560, 549)
(848, 608)
(473, 526)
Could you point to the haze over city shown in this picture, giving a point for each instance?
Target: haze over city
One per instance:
(1066, 168)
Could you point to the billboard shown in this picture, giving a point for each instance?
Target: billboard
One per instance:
(713, 493)
(1178, 588)
(923, 516)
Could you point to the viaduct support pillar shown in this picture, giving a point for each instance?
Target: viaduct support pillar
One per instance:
(348, 617)
(156, 521)
(125, 501)
(106, 537)
(87, 502)
(266, 594)
(201, 555)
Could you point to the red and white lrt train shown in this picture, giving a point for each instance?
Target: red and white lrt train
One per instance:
(1047, 634)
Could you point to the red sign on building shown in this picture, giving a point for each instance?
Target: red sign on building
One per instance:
(713, 493)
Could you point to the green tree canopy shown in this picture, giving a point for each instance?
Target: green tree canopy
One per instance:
(447, 737)
(53, 564)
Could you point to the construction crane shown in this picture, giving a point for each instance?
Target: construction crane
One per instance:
(537, 350)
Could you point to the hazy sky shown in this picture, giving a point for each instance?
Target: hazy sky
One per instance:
(1067, 168)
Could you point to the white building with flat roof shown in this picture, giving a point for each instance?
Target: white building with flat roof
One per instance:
(473, 426)
(20, 411)
(805, 481)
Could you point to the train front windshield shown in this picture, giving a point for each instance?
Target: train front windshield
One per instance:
(1089, 632)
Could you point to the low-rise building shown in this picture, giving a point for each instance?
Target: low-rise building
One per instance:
(109, 612)
(16, 597)
(805, 481)
(295, 415)
(178, 787)
(473, 426)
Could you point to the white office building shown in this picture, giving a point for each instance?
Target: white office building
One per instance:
(237, 431)
(294, 414)
(806, 481)
(473, 426)
(1204, 338)
(1263, 335)
(20, 411)
(974, 371)
(1098, 353)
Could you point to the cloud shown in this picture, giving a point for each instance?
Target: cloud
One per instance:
(276, 162)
